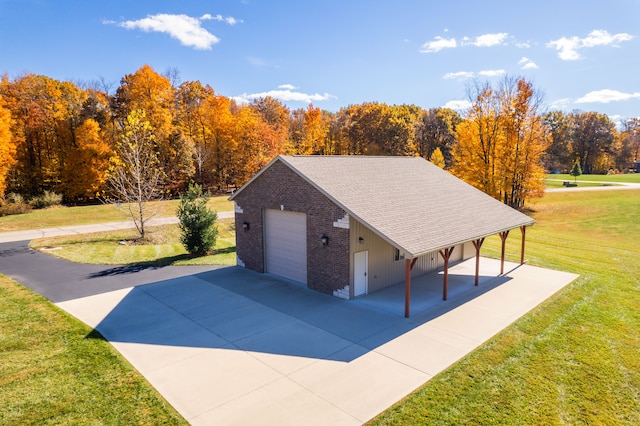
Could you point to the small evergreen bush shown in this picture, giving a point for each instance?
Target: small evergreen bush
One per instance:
(198, 232)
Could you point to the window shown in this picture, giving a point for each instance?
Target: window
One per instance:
(398, 255)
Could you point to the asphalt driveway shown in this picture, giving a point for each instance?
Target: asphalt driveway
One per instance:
(230, 346)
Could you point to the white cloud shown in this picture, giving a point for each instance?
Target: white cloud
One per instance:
(460, 75)
(568, 48)
(527, 64)
(285, 93)
(487, 40)
(561, 104)
(228, 19)
(603, 38)
(184, 28)
(491, 73)
(438, 44)
(465, 75)
(605, 96)
(484, 40)
(459, 105)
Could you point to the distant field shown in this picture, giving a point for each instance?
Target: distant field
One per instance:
(572, 360)
(552, 183)
(67, 216)
(629, 177)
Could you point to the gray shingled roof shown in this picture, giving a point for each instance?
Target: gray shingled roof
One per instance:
(412, 204)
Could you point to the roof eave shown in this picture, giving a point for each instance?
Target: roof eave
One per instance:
(431, 250)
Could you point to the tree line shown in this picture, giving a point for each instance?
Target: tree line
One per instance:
(67, 137)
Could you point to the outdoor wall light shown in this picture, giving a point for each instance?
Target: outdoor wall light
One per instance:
(361, 240)
(245, 226)
(325, 240)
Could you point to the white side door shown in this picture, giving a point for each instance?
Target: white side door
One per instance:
(360, 273)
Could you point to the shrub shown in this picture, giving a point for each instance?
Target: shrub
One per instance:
(198, 232)
(47, 199)
(13, 204)
(15, 198)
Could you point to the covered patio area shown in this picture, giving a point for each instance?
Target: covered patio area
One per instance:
(492, 274)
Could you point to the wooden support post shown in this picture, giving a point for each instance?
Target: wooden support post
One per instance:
(446, 254)
(523, 229)
(503, 237)
(477, 244)
(409, 264)
(407, 288)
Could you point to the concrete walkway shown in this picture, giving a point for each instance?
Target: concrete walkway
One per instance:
(33, 234)
(232, 346)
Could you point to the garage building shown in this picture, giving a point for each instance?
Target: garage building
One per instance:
(352, 225)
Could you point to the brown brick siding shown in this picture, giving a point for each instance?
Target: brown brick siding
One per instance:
(327, 267)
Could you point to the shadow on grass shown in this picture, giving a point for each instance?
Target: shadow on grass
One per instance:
(153, 264)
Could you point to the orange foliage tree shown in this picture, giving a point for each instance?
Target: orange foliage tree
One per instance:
(87, 162)
(7, 146)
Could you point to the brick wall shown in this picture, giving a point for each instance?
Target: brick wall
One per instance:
(327, 267)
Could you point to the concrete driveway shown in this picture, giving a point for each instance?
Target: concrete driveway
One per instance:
(230, 346)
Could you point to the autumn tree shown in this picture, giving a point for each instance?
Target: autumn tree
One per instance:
(308, 131)
(276, 115)
(437, 130)
(501, 141)
(379, 129)
(7, 147)
(437, 158)
(557, 156)
(190, 119)
(87, 163)
(153, 93)
(630, 144)
(45, 113)
(136, 177)
(592, 141)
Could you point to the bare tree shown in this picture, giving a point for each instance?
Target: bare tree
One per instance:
(137, 178)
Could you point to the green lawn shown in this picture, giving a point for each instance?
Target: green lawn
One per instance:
(65, 216)
(574, 359)
(54, 370)
(114, 248)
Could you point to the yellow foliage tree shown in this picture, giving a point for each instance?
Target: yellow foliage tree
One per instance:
(501, 141)
(437, 158)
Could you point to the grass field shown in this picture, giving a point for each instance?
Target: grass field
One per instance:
(64, 216)
(572, 360)
(109, 248)
(53, 371)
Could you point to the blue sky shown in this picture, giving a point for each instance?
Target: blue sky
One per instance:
(580, 54)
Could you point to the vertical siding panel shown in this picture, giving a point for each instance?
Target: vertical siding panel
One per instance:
(383, 269)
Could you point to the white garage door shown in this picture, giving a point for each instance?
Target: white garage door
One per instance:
(286, 244)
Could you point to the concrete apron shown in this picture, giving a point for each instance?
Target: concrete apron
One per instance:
(236, 347)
